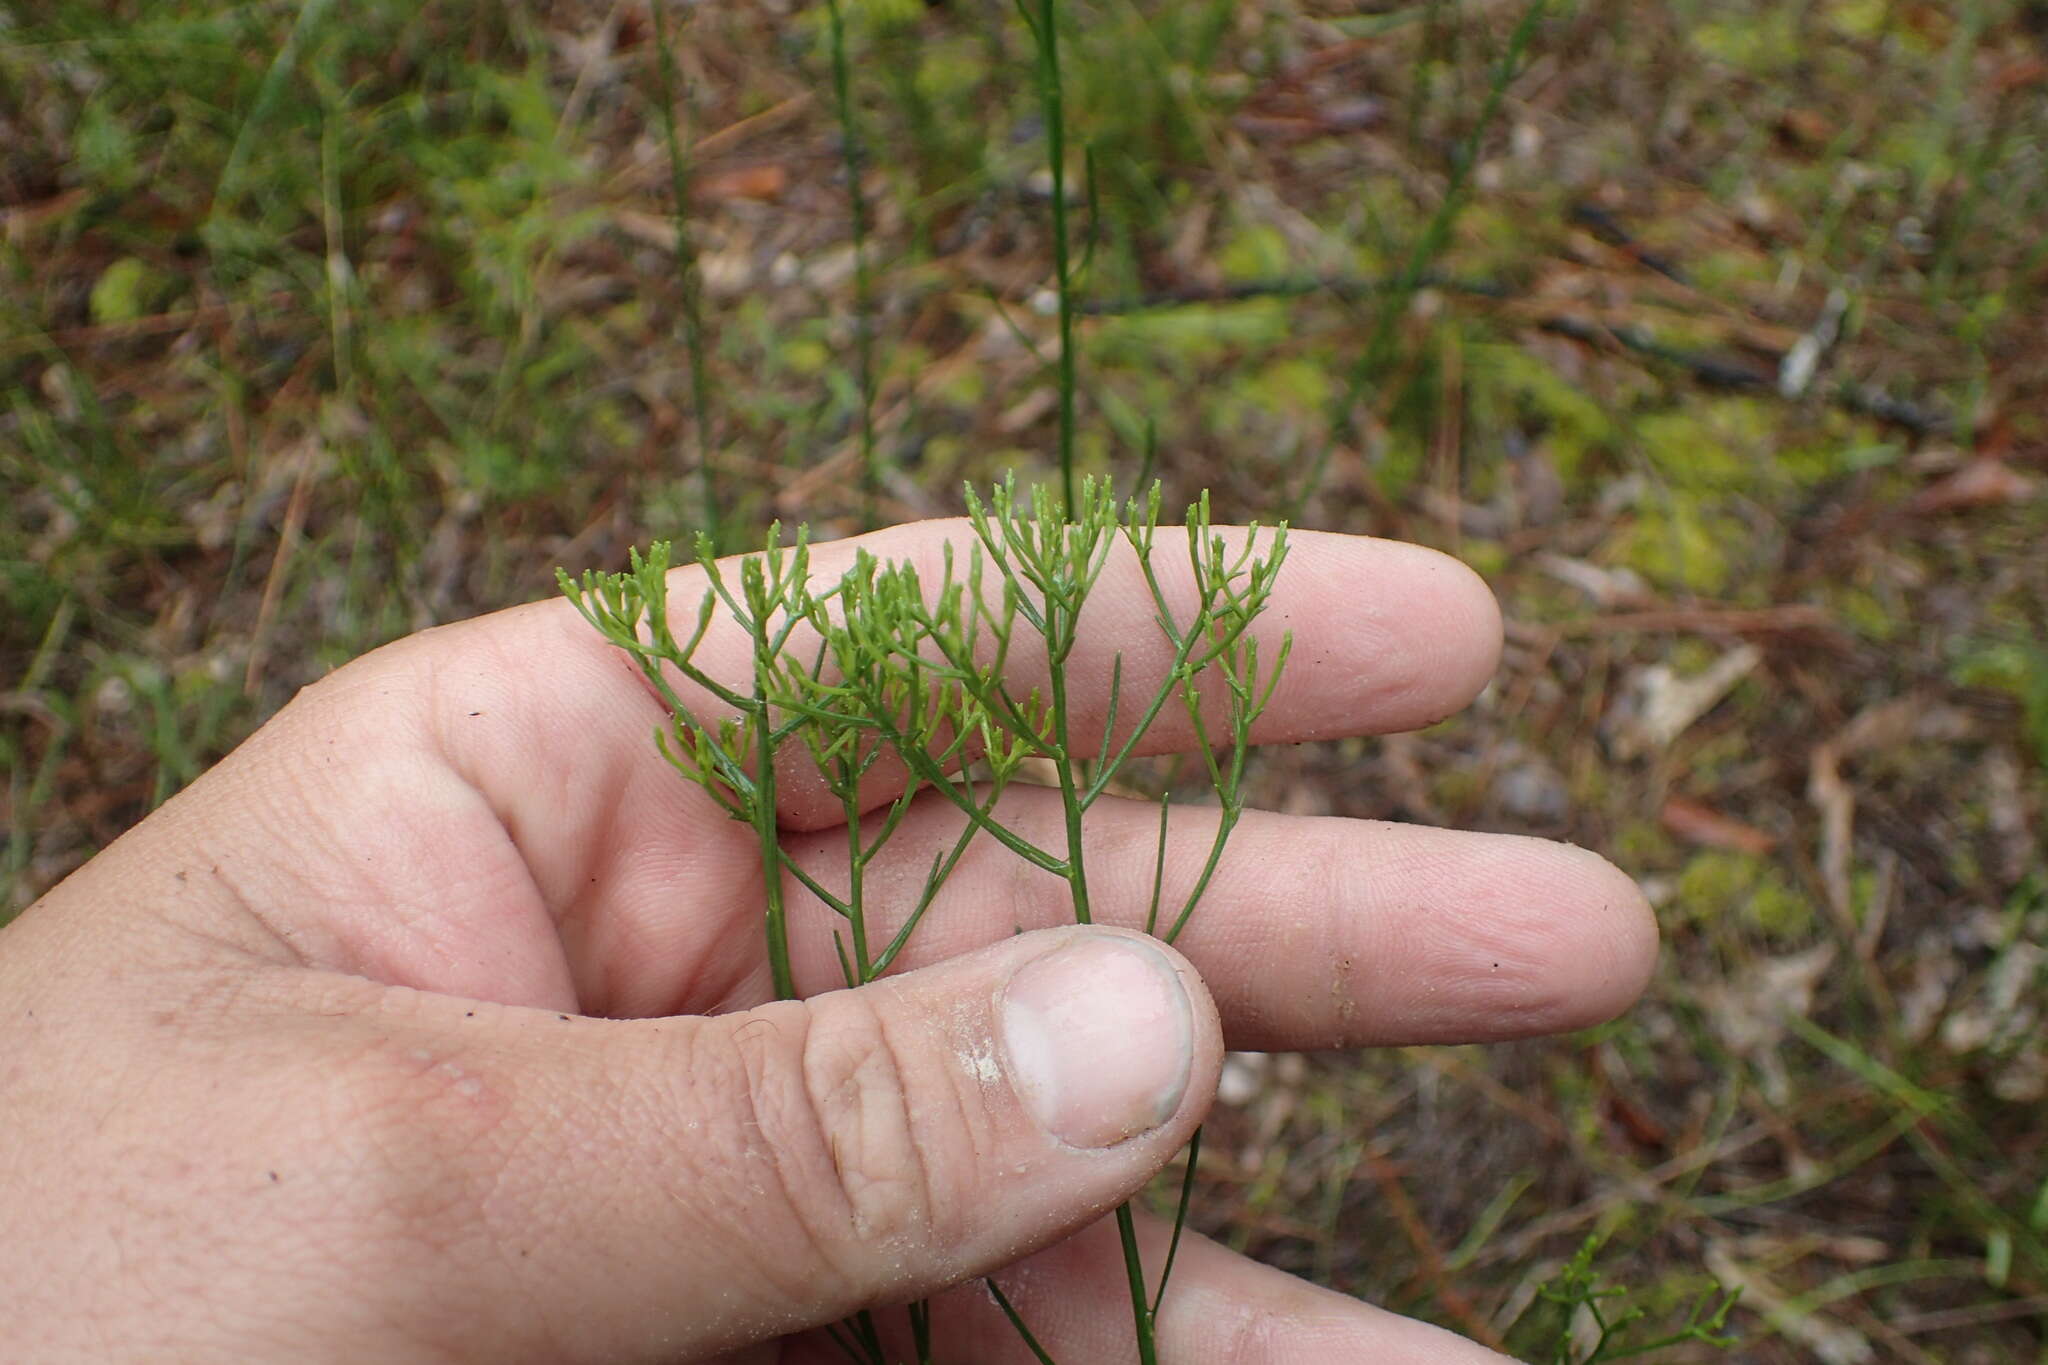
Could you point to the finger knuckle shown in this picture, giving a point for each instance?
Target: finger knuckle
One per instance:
(837, 1119)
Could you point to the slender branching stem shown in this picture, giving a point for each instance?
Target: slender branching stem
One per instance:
(856, 872)
(891, 667)
(1071, 804)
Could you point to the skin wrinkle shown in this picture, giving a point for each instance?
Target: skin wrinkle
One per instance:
(268, 942)
(387, 898)
(633, 1098)
(453, 741)
(308, 1118)
(419, 680)
(201, 897)
(721, 945)
(776, 1139)
(851, 1068)
(1499, 960)
(513, 1217)
(391, 1112)
(603, 949)
(948, 1207)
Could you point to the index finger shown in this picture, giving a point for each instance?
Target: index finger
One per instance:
(1387, 637)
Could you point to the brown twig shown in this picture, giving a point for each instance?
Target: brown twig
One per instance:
(1431, 1255)
(273, 583)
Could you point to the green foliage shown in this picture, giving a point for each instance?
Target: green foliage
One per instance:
(1042, 17)
(1256, 251)
(125, 291)
(1718, 884)
(1682, 541)
(853, 158)
(883, 664)
(1141, 91)
(1188, 338)
(1751, 43)
(1592, 1321)
(1516, 388)
(2022, 671)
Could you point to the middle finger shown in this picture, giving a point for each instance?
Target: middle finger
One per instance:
(1314, 932)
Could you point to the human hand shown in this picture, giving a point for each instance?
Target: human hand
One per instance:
(433, 1024)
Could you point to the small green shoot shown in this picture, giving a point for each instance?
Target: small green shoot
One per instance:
(1580, 1295)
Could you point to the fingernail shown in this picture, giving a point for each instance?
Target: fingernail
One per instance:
(1100, 1040)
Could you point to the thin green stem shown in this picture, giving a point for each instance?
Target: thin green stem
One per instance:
(844, 1340)
(1111, 762)
(921, 765)
(687, 269)
(941, 869)
(870, 1336)
(1134, 1271)
(1052, 106)
(1158, 867)
(767, 825)
(1223, 831)
(856, 870)
(853, 155)
(986, 687)
(1017, 1322)
(1062, 612)
(921, 1331)
(837, 905)
(1071, 804)
(1180, 1218)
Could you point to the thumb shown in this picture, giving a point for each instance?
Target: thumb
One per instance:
(716, 1181)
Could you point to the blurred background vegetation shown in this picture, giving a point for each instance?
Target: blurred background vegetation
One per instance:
(1714, 334)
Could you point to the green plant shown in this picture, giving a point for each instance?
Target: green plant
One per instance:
(1373, 361)
(854, 158)
(688, 269)
(1596, 1322)
(884, 665)
(1043, 21)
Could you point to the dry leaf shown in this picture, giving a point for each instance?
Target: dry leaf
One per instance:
(1698, 823)
(2027, 71)
(746, 182)
(1656, 705)
(1979, 483)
